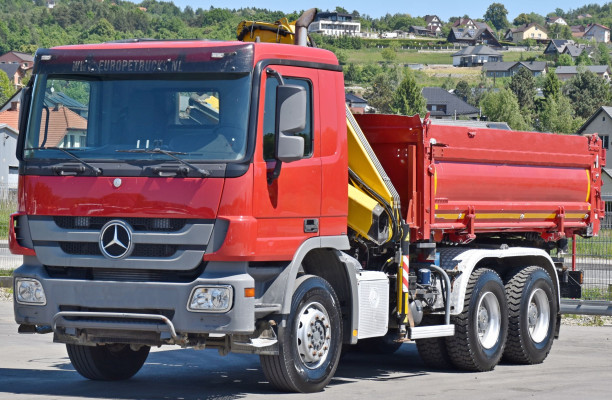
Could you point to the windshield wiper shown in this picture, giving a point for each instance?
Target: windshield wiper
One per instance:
(97, 171)
(171, 154)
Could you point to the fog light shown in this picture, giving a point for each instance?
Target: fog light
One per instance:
(30, 291)
(211, 299)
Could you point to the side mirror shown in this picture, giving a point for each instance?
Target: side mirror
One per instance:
(290, 119)
(24, 110)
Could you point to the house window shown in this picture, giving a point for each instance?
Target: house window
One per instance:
(605, 141)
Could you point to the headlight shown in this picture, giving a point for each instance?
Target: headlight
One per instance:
(210, 299)
(30, 291)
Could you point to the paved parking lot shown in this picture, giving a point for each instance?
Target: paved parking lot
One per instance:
(579, 366)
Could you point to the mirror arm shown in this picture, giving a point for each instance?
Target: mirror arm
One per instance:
(275, 173)
(276, 74)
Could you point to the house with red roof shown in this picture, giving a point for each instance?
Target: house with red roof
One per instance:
(598, 33)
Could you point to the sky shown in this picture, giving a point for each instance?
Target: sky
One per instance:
(442, 8)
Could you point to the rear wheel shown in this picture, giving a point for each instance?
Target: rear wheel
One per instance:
(111, 362)
(532, 317)
(310, 345)
(482, 326)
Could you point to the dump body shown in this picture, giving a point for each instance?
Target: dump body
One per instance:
(456, 182)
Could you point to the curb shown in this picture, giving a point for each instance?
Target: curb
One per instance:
(6, 281)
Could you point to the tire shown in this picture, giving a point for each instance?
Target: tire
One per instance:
(112, 362)
(433, 351)
(532, 316)
(315, 320)
(482, 327)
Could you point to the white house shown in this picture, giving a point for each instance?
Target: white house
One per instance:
(476, 55)
(9, 165)
(335, 24)
(598, 33)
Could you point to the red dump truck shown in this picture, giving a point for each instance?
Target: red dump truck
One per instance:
(217, 195)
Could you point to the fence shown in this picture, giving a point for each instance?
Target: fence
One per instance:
(8, 205)
(594, 258)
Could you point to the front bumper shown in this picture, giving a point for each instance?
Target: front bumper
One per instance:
(165, 299)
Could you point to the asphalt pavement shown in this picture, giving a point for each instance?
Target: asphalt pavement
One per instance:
(579, 367)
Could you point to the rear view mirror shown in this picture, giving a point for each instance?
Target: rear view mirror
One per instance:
(24, 108)
(290, 120)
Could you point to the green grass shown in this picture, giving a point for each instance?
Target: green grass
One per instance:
(6, 272)
(516, 55)
(373, 55)
(599, 246)
(6, 209)
(597, 293)
(368, 56)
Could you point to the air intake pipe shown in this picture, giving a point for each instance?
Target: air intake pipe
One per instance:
(301, 27)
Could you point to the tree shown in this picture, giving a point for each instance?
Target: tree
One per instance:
(602, 55)
(524, 19)
(6, 88)
(352, 73)
(463, 90)
(587, 92)
(583, 58)
(565, 60)
(408, 99)
(557, 116)
(502, 106)
(388, 54)
(558, 31)
(380, 94)
(521, 19)
(552, 86)
(496, 15)
(522, 84)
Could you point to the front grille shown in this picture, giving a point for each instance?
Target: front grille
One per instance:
(140, 250)
(81, 249)
(124, 275)
(138, 224)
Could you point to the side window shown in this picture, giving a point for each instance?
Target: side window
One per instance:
(269, 117)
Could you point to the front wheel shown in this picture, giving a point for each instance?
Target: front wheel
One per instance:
(482, 326)
(112, 362)
(533, 316)
(310, 345)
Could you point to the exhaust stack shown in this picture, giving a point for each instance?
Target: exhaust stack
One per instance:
(301, 27)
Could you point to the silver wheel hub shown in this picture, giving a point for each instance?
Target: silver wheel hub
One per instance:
(489, 320)
(313, 335)
(538, 315)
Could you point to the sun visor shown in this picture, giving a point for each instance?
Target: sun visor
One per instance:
(88, 59)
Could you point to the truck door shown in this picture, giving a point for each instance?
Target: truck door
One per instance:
(288, 209)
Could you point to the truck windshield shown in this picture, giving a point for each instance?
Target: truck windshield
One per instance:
(198, 117)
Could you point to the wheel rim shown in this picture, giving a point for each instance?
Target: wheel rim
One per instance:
(538, 315)
(488, 320)
(313, 335)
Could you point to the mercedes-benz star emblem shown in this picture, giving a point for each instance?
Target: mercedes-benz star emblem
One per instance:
(116, 239)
